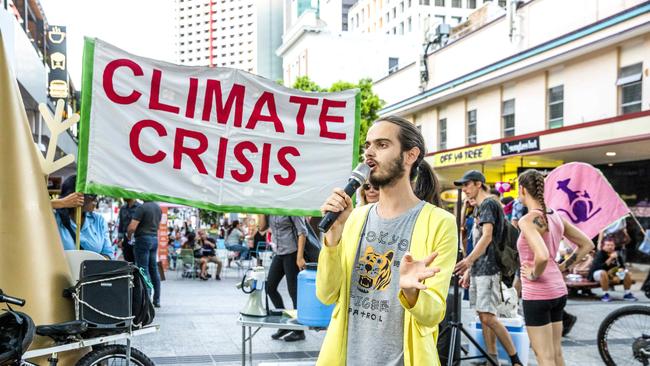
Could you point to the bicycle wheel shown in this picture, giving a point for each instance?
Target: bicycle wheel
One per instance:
(624, 336)
(114, 355)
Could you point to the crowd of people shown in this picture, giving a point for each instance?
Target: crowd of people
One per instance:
(388, 263)
(549, 247)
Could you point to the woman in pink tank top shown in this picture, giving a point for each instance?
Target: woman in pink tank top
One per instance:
(544, 292)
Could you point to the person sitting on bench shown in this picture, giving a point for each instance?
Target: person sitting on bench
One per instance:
(606, 270)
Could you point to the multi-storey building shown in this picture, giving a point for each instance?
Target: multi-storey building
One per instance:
(317, 43)
(554, 81)
(241, 34)
(409, 16)
(24, 29)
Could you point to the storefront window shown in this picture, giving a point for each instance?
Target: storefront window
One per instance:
(556, 107)
(508, 116)
(471, 127)
(629, 83)
(442, 134)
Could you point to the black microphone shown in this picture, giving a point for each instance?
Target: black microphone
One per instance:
(357, 178)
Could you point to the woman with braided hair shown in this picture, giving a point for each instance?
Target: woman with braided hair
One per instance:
(544, 292)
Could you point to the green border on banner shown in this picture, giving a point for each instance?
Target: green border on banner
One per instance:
(357, 130)
(125, 193)
(84, 125)
(94, 188)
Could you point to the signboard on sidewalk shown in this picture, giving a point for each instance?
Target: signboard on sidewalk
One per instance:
(213, 138)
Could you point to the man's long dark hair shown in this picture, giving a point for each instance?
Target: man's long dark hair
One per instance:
(426, 183)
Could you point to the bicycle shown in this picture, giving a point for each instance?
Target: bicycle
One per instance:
(68, 336)
(624, 336)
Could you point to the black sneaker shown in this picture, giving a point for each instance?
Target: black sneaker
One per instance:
(156, 305)
(217, 277)
(296, 335)
(568, 323)
(280, 333)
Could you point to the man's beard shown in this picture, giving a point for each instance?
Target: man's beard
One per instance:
(395, 172)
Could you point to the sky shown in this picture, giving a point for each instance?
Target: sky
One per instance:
(142, 27)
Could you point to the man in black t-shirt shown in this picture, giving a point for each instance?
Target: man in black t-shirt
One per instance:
(606, 269)
(144, 226)
(479, 269)
(208, 255)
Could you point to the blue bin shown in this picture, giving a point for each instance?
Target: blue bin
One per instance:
(311, 311)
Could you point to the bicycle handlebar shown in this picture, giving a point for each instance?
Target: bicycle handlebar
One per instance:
(11, 300)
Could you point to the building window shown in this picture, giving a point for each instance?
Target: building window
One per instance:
(395, 12)
(471, 127)
(556, 106)
(401, 7)
(409, 3)
(387, 17)
(471, 4)
(401, 28)
(456, 20)
(424, 2)
(630, 88)
(410, 25)
(456, 3)
(442, 134)
(393, 64)
(440, 3)
(502, 3)
(439, 18)
(508, 117)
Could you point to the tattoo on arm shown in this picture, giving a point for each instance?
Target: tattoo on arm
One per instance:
(539, 222)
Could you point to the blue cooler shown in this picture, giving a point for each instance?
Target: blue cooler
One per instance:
(517, 331)
(311, 311)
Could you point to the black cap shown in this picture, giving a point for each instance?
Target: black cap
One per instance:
(470, 175)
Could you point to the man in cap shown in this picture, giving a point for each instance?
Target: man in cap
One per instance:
(479, 269)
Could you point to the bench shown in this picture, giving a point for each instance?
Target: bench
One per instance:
(585, 285)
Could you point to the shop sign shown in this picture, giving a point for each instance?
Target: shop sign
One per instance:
(463, 156)
(450, 195)
(56, 50)
(520, 146)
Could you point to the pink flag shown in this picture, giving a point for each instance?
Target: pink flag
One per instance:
(584, 197)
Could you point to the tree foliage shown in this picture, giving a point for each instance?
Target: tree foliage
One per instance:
(209, 217)
(370, 102)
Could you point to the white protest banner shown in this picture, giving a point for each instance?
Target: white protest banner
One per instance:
(214, 138)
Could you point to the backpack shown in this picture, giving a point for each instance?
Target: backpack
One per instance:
(507, 255)
(142, 309)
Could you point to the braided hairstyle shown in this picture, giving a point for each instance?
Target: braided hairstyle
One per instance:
(533, 181)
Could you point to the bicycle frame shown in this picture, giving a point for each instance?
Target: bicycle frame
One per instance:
(87, 343)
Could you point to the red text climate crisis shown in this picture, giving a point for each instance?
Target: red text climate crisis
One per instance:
(225, 106)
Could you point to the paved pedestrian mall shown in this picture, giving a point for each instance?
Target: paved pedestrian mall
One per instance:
(198, 326)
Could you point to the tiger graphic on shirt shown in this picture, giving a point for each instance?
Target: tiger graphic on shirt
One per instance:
(374, 270)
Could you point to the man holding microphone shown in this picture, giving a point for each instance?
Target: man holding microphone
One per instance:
(387, 265)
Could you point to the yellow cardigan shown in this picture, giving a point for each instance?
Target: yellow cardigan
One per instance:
(434, 231)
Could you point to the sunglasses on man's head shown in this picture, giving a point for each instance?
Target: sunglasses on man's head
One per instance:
(368, 186)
